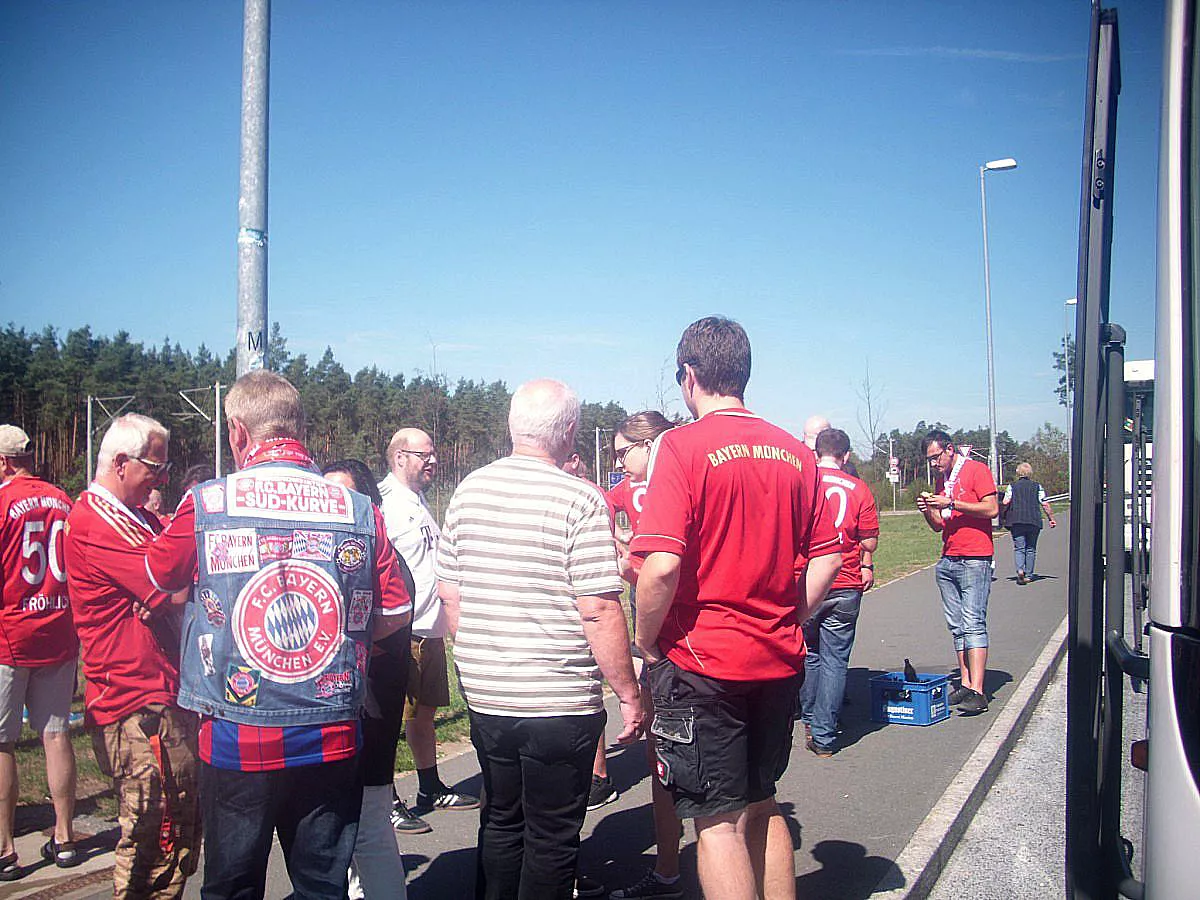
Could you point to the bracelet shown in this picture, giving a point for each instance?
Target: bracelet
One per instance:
(864, 566)
(952, 507)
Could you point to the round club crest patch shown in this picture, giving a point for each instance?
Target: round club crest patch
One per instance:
(288, 621)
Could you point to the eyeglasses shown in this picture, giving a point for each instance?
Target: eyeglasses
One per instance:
(935, 456)
(158, 468)
(621, 454)
(423, 455)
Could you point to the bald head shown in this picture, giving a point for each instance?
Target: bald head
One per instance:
(411, 458)
(813, 426)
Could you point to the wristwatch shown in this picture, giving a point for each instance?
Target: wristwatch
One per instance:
(952, 506)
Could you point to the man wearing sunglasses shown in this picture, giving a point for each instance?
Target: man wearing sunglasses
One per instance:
(140, 735)
(962, 509)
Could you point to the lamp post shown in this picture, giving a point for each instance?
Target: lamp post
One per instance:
(996, 165)
(1069, 381)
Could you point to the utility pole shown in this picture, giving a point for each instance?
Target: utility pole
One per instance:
(252, 195)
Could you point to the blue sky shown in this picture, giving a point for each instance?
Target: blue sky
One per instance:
(556, 189)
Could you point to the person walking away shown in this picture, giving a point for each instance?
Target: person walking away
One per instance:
(732, 502)
(38, 646)
(1025, 501)
(829, 631)
(962, 509)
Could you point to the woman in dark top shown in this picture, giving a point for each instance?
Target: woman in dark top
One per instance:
(377, 869)
(1024, 502)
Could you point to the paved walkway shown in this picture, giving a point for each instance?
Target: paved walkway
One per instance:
(877, 819)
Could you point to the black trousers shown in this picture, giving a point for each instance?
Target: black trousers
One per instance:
(536, 777)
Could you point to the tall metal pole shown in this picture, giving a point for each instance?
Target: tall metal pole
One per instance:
(252, 196)
(89, 440)
(1069, 380)
(217, 436)
(987, 298)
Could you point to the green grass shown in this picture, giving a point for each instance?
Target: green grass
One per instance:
(450, 723)
(906, 544)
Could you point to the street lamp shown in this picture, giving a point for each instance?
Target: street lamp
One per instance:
(996, 165)
(1068, 380)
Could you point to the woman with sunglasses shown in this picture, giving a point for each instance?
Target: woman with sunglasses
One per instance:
(632, 446)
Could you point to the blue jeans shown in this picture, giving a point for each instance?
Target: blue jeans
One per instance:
(1025, 538)
(315, 810)
(965, 584)
(829, 636)
(536, 775)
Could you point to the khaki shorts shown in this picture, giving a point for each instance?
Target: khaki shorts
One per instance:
(45, 690)
(428, 681)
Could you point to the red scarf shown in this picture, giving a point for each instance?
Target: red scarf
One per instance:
(278, 450)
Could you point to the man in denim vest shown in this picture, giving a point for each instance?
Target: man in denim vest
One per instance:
(294, 581)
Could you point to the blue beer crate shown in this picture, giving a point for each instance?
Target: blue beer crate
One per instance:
(922, 702)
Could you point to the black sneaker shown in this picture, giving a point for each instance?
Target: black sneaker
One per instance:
(601, 793)
(405, 822)
(649, 886)
(587, 887)
(445, 799)
(974, 704)
(959, 694)
(817, 750)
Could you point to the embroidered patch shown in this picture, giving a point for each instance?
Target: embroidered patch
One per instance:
(233, 550)
(212, 498)
(204, 642)
(360, 610)
(213, 610)
(241, 685)
(662, 769)
(351, 555)
(274, 547)
(362, 656)
(288, 621)
(334, 684)
(314, 545)
(273, 493)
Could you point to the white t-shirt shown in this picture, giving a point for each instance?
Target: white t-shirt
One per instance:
(414, 533)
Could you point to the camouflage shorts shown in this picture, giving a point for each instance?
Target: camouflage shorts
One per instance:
(151, 757)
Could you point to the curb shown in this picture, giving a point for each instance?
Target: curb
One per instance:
(929, 849)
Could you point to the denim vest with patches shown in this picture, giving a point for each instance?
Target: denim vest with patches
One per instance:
(277, 631)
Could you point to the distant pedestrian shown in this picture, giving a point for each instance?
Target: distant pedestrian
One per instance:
(732, 502)
(829, 631)
(1025, 501)
(37, 655)
(129, 632)
(528, 574)
(962, 509)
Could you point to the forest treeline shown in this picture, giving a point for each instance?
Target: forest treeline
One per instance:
(45, 381)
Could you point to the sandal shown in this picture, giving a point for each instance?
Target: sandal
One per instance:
(9, 870)
(63, 855)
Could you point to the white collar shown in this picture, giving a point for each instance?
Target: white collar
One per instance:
(105, 494)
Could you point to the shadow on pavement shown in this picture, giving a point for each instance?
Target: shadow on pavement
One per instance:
(847, 872)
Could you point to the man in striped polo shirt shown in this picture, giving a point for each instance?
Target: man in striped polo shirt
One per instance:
(528, 573)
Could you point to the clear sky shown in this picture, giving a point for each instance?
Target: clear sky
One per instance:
(521, 189)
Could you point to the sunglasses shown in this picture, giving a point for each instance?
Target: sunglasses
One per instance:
(158, 468)
(620, 454)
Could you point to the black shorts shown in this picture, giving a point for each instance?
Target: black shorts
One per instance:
(720, 745)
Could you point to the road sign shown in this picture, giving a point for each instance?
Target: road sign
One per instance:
(893, 477)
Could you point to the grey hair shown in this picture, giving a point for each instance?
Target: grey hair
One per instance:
(131, 435)
(544, 413)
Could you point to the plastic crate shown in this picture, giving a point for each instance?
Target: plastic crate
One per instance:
(922, 702)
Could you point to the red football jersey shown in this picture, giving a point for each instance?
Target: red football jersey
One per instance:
(628, 497)
(964, 534)
(855, 516)
(35, 617)
(738, 499)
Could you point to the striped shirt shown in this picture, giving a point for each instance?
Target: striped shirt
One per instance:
(522, 541)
